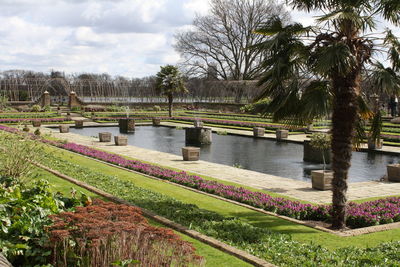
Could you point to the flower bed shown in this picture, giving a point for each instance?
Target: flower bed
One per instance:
(270, 126)
(22, 120)
(377, 212)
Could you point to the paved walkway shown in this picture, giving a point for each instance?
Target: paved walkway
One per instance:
(289, 187)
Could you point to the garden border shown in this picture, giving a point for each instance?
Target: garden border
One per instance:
(180, 228)
(344, 233)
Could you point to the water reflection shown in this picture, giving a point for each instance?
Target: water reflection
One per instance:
(276, 158)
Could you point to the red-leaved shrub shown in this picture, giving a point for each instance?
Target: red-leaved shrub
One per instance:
(105, 232)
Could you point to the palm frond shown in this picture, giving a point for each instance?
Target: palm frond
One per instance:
(390, 10)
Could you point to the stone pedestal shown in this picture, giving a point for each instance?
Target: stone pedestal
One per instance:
(156, 122)
(282, 134)
(198, 136)
(36, 123)
(73, 100)
(190, 153)
(64, 128)
(393, 171)
(68, 117)
(258, 131)
(311, 154)
(93, 116)
(45, 99)
(126, 125)
(198, 124)
(105, 137)
(375, 145)
(321, 180)
(121, 140)
(79, 124)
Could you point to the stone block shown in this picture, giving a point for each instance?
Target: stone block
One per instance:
(126, 125)
(79, 124)
(36, 123)
(64, 128)
(321, 180)
(105, 137)
(258, 131)
(156, 122)
(375, 145)
(281, 134)
(393, 171)
(198, 136)
(190, 153)
(121, 140)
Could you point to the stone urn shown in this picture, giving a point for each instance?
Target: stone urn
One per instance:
(64, 128)
(105, 137)
(69, 117)
(36, 123)
(93, 116)
(375, 145)
(198, 124)
(258, 131)
(121, 140)
(281, 134)
(79, 124)
(321, 179)
(190, 153)
(156, 121)
(393, 172)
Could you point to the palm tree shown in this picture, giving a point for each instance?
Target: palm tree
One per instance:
(169, 82)
(311, 72)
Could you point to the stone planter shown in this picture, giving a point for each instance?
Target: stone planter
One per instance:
(36, 123)
(79, 124)
(375, 145)
(281, 134)
(190, 153)
(258, 131)
(121, 140)
(321, 180)
(393, 172)
(198, 124)
(64, 128)
(126, 125)
(156, 122)
(198, 136)
(314, 155)
(105, 137)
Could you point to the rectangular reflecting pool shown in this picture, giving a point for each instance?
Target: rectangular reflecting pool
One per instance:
(256, 154)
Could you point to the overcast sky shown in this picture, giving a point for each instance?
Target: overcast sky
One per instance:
(120, 37)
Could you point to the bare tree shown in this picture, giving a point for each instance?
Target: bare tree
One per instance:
(217, 44)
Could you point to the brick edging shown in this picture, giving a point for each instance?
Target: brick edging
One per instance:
(345, 233)
(180, 228)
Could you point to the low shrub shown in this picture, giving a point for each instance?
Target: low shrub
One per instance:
(36, 108)
(104, 232)
(24, 214)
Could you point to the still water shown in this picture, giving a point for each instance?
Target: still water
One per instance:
(261, 155)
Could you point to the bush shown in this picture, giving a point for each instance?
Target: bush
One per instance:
(47, 108)
(156, 108)
(23, 217)
(36, 108)
(103, 233)
(76, 109)
(37, 132)
(257, 107)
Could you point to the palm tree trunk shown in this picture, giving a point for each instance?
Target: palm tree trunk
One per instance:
(170, 99)
(344, 117)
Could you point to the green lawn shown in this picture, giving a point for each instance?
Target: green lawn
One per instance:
(214, 257)
(298, 232)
